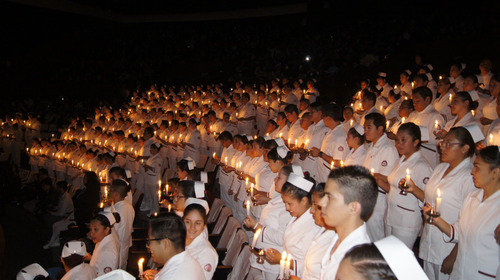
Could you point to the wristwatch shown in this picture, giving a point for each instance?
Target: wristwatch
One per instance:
(320, 154)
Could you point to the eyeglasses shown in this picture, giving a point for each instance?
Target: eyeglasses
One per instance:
(178, 196)
(446, 145)
(148, 241)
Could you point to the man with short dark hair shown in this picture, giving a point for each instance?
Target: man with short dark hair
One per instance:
(333, 147)
(380, 160)
(350, 196)
(72, 260)
(166, 242)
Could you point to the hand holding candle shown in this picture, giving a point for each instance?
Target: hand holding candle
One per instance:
(140, 263)
(256, 237)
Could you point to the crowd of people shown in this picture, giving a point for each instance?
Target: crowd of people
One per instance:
(327, 190)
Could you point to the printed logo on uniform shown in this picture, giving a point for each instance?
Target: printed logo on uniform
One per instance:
(426, 179)
(107, 269)
(208, 267)
(341, 148)
(384, 163)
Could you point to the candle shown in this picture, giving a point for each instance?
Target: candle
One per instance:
(140, 263)
(169, 207)
(248, 207)
(282, 265)
(438, 201)
(407, 178)
(450, 97)
(436, 125)
(289, 140)
(166, 189)
(387, 123)
(341, 163)
(256, 237)
(105, 191)
(491, 139)
(251, 189)
(351, 122)
(214, 154)
(287, 266)
(473, 112)
(281, 134)
(296, 142)
(307, 141)
(156, 214)
(331, 165)
(246, 181)
(159, 184)
(101, 205)
(372, 171)
(225, 160)
(403, 120)
(381, 108)
(412, 84)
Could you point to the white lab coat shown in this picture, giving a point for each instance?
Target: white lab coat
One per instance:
(316, 133)
(123, 229)
(315, 253)
(478, 254)
(334, 144)
(442, 105)
(299, 234)
(330, 264)
(454, 188)
(380, 157)
(468, 119)
(427, 118)
(82, 271)
(193, 137)
(403, 218)
(356, 157)
(181, 266)
(202, 251)
(246, 111)
(106, 255)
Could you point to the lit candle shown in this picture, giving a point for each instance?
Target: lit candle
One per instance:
(295, 142)
(281, 134)
(159, 195)
(225, 160)
(403, 120)
(387, 123)
(282, 265)
(248, 207)
(289, 140)
(381, 108)
(407, 178)
(473, 112)
(169, 207)
(256, 237)
(491, 139)
(341, 163)
(351, 122)
(438, 201)
(450, 97)
(101, 205)
(372, 171)
(307, 141)
(412, 84)
(159, 184)
(436, 125)
(331, 165)
(251, 189)
(287, 266)
(105, 191)
(141, 268)
(214, 154)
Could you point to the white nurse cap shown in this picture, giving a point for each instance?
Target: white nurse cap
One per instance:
(31, 271)
(201, 202)
(74, 247)
(117, 274)
(300, 182)
(199, 189)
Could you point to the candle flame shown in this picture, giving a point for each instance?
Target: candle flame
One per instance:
(439, 192)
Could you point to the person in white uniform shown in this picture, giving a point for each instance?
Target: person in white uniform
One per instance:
(478, 255)
(301, 230)
(380, 158)
(356, 142)
(246, 115)
(453, 179)
(152, 169)
(273, 218)
(388, 258)
(166, 242)
(489, 109)
(106, 255)
(72, 256)
(123, 230)
(319, 245)
(429, 118)
(402, 217)
(368, 104)
(461, 105)
(350, 196)
(334, 147)
(198, 246)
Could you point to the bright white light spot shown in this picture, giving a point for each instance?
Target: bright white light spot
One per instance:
(308, 58)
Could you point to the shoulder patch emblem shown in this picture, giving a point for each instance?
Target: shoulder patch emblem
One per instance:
(208, 267)
(384, 163)
(341, 148)
(107, 269)
(426, 179)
